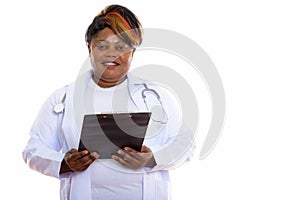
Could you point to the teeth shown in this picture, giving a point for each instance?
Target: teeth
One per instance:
(110, 64)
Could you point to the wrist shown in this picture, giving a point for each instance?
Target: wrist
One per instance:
(64, 167)
(151, 162)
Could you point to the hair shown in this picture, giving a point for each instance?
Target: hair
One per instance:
(121, 21)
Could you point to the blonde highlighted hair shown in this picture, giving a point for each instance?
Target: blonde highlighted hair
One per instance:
(121, 21)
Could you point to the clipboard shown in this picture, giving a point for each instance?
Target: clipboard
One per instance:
(106, 133)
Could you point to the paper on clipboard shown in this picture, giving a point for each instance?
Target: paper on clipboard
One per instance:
(109, 132)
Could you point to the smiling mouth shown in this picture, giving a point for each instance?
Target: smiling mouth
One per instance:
(110, 64)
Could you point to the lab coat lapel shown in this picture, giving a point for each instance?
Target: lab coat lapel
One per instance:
(74, 111)
(150, 187)
(68, 123)
(135, 87)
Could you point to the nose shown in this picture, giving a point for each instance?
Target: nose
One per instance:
(111, 53)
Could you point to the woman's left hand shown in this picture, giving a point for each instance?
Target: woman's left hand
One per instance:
(134, 159)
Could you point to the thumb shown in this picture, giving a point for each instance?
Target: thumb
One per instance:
(70, 152)
(145, 149)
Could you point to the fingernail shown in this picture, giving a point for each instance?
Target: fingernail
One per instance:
(95, 154)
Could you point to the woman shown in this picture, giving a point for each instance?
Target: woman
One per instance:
(111, 38)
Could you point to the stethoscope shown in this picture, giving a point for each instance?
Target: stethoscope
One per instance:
(58, 108)
(163, 112)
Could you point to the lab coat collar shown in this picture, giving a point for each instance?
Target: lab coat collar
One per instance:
(133, 80)
(134, 83)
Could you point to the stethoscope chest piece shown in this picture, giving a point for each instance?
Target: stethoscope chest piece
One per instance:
(58, 108)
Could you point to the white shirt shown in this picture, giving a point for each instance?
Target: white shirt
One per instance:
(109, 179)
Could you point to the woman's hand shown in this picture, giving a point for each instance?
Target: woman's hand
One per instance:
(75, 160)
(134, 159)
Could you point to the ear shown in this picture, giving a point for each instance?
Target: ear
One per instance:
(133, 52)
(89, 48)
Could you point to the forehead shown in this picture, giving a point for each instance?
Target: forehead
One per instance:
(106, 35)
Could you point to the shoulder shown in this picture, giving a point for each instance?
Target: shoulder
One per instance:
(135, 80)
(60, 92)
(165, 92)
(56, 97)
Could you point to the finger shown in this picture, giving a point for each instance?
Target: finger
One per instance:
(86, 158)
(89, 157)
(145, 149)
(127, 155)
(70, 152)
(133, 154)
(95, 155)
(84, 166)
(80, 154)
(87, 161)
(130, 150)
(73, 150)
(129, 159)
(120, 160)
(77, 155)
(84, 162)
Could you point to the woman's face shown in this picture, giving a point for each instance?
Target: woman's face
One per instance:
(110, 58)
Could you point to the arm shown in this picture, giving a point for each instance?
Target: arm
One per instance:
(42, 152)
(178, 150)
(176, 142)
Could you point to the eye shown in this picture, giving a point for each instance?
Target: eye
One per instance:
(122, 47)
(102, 46)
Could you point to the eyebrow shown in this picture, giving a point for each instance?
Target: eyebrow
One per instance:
(97, 41)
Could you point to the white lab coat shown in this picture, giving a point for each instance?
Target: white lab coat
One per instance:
(53, 134)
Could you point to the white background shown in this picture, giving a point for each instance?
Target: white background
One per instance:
(254, 45)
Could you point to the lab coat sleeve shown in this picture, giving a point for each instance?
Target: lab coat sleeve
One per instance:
(42, 152)
(177, 145)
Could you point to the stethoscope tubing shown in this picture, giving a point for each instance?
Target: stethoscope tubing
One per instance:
(58, 108)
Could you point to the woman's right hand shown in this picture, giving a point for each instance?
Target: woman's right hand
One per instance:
(75, 160)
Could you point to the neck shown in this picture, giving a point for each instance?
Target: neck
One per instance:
(107, 84)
